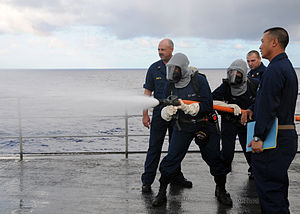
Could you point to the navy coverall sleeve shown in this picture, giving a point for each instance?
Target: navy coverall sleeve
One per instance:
(251, 107)
(219, 93)
(206, 102)
(149, 82)
(268, 102)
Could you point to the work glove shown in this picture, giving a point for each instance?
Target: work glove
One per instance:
(236, 109)
(167, 112)
(191, 109)
(194, 69)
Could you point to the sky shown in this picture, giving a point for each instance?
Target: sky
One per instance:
(125, 33)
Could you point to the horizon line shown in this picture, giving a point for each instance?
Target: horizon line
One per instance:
(102, 68)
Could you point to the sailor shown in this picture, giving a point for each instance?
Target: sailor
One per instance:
(257, 67)
(237, 91)
(190, 121)
(155, 84)
(276, 97)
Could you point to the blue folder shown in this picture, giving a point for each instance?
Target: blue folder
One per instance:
(271, 140)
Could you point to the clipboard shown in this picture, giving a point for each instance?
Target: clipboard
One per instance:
(271, 139)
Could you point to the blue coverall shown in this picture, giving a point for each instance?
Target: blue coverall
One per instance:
(183, 136)
(258, 72)
(276, 97)
(230, 124)
(156, 81)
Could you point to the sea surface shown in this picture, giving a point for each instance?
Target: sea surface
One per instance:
(78, 110)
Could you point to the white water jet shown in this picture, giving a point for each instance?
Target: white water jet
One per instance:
(103, 104)
(62, 93)
(124, 101)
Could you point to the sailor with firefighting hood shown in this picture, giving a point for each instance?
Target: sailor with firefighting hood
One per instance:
(238, 91)
(190, 121)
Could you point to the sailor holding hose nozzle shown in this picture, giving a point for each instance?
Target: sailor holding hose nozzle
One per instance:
(191, 121)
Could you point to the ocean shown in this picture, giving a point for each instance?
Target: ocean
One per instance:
(77, 110)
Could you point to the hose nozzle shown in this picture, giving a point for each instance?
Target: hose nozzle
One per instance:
(170, 100)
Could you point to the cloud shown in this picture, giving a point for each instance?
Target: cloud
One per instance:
(239, 46)
(212, 19)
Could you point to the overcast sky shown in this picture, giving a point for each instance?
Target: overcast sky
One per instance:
(125, 33)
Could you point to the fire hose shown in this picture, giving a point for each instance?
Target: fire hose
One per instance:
(173, 100)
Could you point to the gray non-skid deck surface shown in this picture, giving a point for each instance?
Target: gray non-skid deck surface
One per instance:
(78, 184)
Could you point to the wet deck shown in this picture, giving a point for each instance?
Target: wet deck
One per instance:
(110, 183)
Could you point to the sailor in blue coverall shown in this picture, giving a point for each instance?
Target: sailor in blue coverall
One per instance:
(257, 68)
(276, 97)
(156, 82)
(191, 119)
(240, 90)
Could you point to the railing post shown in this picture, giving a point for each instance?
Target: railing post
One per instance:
(20, 129)
(126, 134)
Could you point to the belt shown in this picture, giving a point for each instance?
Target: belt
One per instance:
(286, 127)
(198, 120)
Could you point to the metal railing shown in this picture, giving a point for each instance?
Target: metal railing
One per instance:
(126, 136)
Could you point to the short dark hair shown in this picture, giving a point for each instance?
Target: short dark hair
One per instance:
(254, 52)
(281, 34)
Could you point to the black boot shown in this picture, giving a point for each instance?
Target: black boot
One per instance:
(222, 195)
(161, 197)
(146, 188)
(184, 183)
